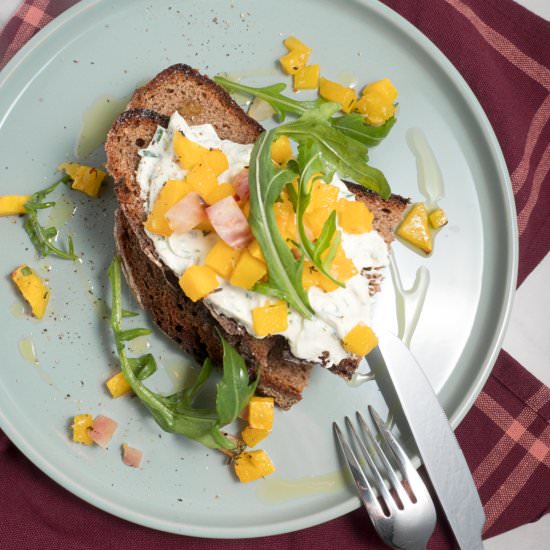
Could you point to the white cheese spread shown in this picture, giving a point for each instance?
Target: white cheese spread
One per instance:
(336, 312)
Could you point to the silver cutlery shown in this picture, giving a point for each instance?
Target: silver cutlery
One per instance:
(403, 382)
(403, 514)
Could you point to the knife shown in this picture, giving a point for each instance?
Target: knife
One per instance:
(434, 438)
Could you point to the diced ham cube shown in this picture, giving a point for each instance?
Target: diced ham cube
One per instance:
(131, 456)
(240, 184)
(230, 223)
(102, 430)
(186, 214)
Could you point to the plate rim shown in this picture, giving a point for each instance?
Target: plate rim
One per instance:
(497, 157)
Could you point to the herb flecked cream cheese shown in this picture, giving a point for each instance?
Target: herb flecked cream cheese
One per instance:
(336, 312)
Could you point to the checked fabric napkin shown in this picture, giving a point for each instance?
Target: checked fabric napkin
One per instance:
(503, 51)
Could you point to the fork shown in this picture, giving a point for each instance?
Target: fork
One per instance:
(405, 517)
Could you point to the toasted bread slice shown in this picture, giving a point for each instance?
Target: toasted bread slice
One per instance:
(193, 325)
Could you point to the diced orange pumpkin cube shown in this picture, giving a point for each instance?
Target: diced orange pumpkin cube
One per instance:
(286, 220)
(332, 91)
(323, 201)
(198, 281)
(261, 412)
(35, 292)
(438, 218)
(270, 319)
(281, 150)
(323, 195)
(170, 194)
(11, 205)
(415, 228)
(202, 180)
(256, 251)
(360, 340)
(222, 258)
(294, 60)
(85, 178)
(252, 436)
(377, 101)
(307, 78)
(375, 109)
(219, 192)
(342, 268)
(82, 424)
(293, 43)
(315, 220)
(118, 386)
(384, 88)
(187, 152)
(310, 275)
(248, 271)
(326, 284)
(253, 465)
(354, 216)
(216, 160)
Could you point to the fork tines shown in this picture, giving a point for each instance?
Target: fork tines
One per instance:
(405, 499)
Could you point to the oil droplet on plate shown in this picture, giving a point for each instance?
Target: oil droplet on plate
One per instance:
(408, 302)
(179, 371)
(98, 304)
(429, 177)
(96, 121)
(28, 352)
(61, 212)
(17, 309)
(347, 78)
(139, 345)
(278, 489)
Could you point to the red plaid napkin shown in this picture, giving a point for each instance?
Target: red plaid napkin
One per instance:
(503, 51)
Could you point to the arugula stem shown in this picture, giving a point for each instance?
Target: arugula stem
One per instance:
(272, 95)
(357, 168)
(42, 236)
(266, 183)
(175, 413)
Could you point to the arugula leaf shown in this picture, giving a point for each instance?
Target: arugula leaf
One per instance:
(143, 366)
(328, 240)
(281, 104)
(351, 124)
(266, 183)
(176, 413)
(326, 144)
(128, 313)
(234, 390)
(132, 334)
(42, 236)
(312, 167)
(348, 156)
(190, 393)
(354, 126)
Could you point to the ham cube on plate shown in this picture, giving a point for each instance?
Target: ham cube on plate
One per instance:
(131, 456)
(102, 430)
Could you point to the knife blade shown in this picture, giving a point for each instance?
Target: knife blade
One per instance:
(435, 440)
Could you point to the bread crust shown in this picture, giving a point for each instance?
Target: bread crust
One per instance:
(193, 325)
